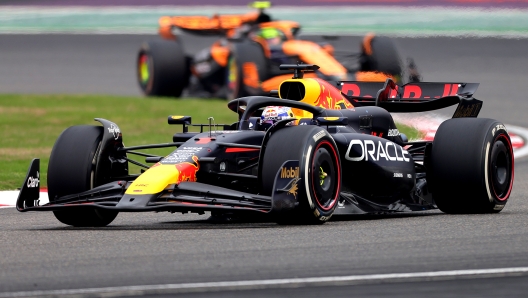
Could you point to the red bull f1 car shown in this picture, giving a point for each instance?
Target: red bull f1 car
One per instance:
(245, 60)
(336, 150)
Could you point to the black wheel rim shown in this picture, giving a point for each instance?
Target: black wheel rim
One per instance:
(144, 71)
(232, 78)
(324, 178)
(501, 167)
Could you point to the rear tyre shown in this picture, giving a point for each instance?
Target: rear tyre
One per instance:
(71, 170)
(320, 171)
(162, 68)
(378, 53)
(246, 68)
(471, 166)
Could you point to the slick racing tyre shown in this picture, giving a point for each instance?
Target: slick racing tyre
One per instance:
(71, 170)
(470, 169)
(162, 68)
(246, 69)
(378, 53)
(319, 172)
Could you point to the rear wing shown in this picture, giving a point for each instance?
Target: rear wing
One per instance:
(414, 97)
(204, 25)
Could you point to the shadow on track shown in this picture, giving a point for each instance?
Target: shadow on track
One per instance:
(232, 223)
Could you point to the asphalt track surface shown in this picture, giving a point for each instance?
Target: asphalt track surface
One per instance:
(41, 256)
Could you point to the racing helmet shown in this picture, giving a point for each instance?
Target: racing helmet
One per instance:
(271, 35)
(272, 114)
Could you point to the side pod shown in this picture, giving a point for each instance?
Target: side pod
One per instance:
(30, 192)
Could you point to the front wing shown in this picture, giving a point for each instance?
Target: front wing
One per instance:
(181, 197)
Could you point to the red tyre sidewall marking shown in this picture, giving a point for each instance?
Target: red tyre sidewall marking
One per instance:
(338, 166)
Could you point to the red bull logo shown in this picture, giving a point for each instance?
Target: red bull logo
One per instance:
(187, 170)
(331, 98)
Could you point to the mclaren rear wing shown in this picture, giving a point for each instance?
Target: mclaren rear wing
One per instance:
(414, 97)
(204, 25)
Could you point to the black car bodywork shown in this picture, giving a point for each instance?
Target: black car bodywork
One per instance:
(339, 161)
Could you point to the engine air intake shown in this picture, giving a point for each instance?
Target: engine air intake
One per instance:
(292, 90)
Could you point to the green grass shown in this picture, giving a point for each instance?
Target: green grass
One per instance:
(411, 133)
(30, 124)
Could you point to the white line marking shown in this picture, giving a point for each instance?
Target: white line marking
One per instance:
(8, 198)
(270, 283)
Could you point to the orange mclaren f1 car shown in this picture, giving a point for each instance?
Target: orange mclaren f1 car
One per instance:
(245, 60)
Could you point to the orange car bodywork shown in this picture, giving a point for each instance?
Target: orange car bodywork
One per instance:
(216, 23)
(311, 53)
(308, 52)
(220, 53)
(373, 76)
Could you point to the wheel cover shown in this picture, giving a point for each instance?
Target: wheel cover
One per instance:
(143, 69)
(232, 77)
(501, 167)
(325, 172)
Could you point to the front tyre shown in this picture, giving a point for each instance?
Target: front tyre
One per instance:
(471, 166)
(319, 170)
(72, 169)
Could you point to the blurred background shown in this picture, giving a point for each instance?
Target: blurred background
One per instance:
(89, 46)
